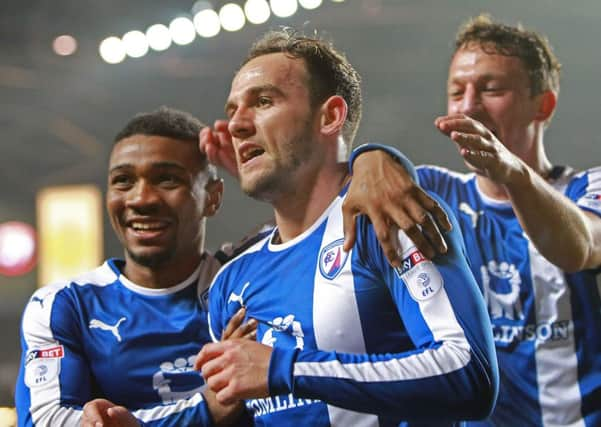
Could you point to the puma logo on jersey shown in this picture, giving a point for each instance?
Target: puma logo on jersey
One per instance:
(238, 297)
(114, 329)
(467, 209)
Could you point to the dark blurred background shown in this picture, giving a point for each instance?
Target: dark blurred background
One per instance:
(58, 114)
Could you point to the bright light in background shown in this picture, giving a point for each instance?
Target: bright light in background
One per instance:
(64, 45)
(310, 4)
(182, 31)
(17, 248)
(257, 11)
(135, 44)
(158, 37)
(69, 222)
(207, 23)
(112, 50)
(283, 8)
(232, 17)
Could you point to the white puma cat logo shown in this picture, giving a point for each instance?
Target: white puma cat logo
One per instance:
(238, 298)
(467, 209)
(95, 323)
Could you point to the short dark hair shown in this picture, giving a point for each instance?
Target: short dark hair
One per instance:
(165, 121)
(330, 73)
(533, 49)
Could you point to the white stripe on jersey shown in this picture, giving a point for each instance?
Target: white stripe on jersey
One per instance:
(45, 406)
(158, 412)
(556, 361)
(338, 329)
(463, 177)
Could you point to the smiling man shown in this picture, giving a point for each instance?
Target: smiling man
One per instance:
(532, 229)
(124, 336)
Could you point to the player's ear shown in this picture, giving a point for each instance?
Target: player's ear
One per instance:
(214, 193)
(333, 115)
(546, 106)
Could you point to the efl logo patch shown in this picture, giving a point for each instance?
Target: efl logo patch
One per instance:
(42, 365)
(421, 276)
(331, 259)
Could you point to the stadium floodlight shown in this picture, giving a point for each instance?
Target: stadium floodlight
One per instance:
(310, 4)
(182, 31)
(207, 23)
(283, 8)
(112, 50)
(64, 45)
(158, 37)
(135, 44)
(257, 11)
(232, 17)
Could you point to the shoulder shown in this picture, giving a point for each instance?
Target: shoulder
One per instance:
(246, 257)
(56, 296)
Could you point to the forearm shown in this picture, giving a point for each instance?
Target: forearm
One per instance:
(561, 231)
(191, 411)
(405, 385)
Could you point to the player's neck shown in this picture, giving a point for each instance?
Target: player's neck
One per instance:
(163, 276)
(295, 213)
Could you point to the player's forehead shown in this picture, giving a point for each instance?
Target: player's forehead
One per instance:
(155, 151)
(475, 61)
(276, 70)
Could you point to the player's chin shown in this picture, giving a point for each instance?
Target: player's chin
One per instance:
(150, 256)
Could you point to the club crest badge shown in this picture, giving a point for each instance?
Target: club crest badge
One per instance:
(332, 259)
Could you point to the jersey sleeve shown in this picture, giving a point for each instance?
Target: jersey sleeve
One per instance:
(54, 379)
(585, 190)
(451, 374)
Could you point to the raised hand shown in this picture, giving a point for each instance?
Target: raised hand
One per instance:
(216, 142)
(482, 152)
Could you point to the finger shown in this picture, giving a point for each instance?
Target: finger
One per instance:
(471, 141)
(213, 367)
(208, 352)
(349, 224)
(252, 335)
(234, 323)
(245, 329)
(428, 227)
(387, 237)
(93, 413)
(461, 123)
(221, 125)
(219, 380)
(417, 236)
(434, 236)
(227, 395)
(435, 210)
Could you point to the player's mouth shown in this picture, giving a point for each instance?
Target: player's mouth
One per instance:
(147, 229)
(248, 151)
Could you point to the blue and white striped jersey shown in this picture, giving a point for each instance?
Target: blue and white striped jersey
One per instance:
(546, 323)
(356, 342)
(100, 335)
